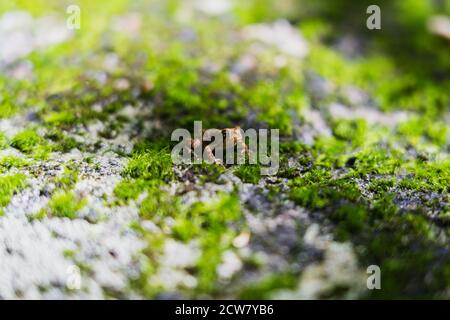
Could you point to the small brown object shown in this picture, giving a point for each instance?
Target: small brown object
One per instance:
(229, 134)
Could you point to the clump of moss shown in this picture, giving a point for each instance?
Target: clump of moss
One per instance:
(424, 128)
(187, 95)
(65, 205)
(8, 162)
(316, 189)
(3, 141)
(159, 204)
(377, 222)
(9, 185)
(352, 131)
(150, 164)
(29, 141)
(211, 223)
(381, 185)
(248, 173)
(26, 141)
(61, 142)
(149, 167)
(295, 157)
(130, 189)
(16, 95)
(68, 178)
(59, 119)
(376, 161)
(428, 176)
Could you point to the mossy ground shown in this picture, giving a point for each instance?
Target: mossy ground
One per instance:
(364, 141)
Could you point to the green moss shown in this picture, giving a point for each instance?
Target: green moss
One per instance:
(159, 204)
(41, 214)
(264, 288)
(424, 128)
(30, 142)
(384, 206)
(316, 189)
(16, 96)
(248, 173)
(401, 265)
(129, 189)
(26, 141)
(352, 131)
(68, 253)
(8, 110)
(428, 176)
(376, 161)
(9, 185)
(62, 118)
(65, 205)
(275, 101)
(254, 11)
(3, 141)
(8, 162)
(208, 172)
(212, 221)
(150, 164)
(294, 157)
(187, 95)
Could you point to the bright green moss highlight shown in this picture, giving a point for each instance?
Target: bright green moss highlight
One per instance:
(418, 129)
(65, 205)
(59, 118)
(60, 141)
(353, 131)
(381, 184)
(214, 215)
(434, 176)
(150, 164)
(129, 189)
(9, 185)
(3, 141)
(211, 221)
(323, 193)
(159, 204)
(211, 224)
(376, 161)
(26, 141)
(9, 162)
(30, 142)
(8, 110)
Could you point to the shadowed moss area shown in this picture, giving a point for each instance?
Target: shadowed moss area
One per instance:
(85, 134)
